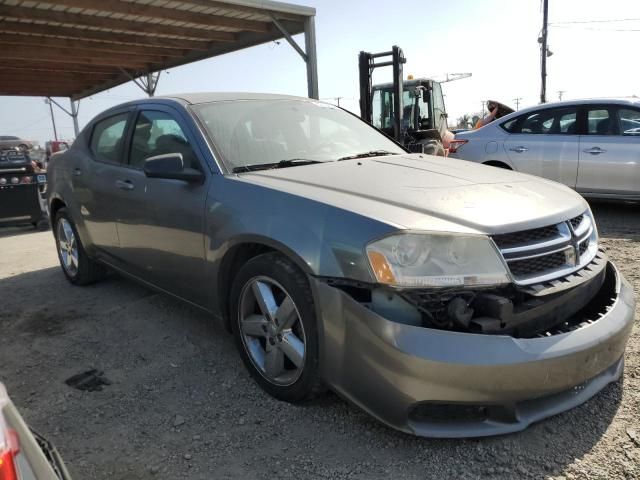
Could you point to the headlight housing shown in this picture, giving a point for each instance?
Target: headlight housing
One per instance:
(417, 260)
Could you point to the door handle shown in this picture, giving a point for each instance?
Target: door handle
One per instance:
(125, 185)
(519, 149)
(77, 172)
(594, 151)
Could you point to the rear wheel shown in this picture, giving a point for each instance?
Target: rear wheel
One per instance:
(275, 328)
(76, 265)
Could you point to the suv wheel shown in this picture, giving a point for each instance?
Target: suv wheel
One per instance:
(76, 265)
(275, 328)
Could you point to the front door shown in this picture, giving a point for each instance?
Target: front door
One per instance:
(162, 231)
(544, 143)
(610, 151)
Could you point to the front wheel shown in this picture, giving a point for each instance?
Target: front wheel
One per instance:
(76, 265)
(274, 324)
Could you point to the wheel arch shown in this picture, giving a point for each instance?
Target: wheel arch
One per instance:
(498, 164)
(236, 255)
(54, 205)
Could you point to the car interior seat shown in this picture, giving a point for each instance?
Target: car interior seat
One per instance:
(603, 127)
(171, 143)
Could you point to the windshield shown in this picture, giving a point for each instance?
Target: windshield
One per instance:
(414, 109)
(250, 132)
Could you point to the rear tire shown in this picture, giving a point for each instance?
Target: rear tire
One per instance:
(279, 348)
(76, 265)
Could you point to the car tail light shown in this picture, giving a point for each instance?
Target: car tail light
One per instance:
(15, 180)
(3, 181)
(9, 448)
(456, 144)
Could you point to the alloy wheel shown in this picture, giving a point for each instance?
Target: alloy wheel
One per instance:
(272, 331)
(67, 246)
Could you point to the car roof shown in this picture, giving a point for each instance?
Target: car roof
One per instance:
(633, 101)
(207, 97)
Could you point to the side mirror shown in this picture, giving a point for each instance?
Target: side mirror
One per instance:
(171, 166)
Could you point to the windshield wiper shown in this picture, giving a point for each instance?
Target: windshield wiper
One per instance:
(292, 162)
(372, 153)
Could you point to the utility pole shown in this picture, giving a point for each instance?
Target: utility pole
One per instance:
(482, 111)
(53, 120)
(517, 102)
(337, 99)
(560, 92)
(543, 51)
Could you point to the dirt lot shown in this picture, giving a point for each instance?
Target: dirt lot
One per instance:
(181, 405)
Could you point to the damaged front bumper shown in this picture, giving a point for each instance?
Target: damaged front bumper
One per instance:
(440, 383)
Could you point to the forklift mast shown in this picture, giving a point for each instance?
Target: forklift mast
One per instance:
(367, 63)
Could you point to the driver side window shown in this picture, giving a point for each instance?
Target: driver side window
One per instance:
(157, 133)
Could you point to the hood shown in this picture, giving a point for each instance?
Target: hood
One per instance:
(424, 192)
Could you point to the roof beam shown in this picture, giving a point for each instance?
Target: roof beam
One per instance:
(245, 9)
(20, 12)
(63, 55)
(89, 47)
(45, 66)
(163, 13)
(101, 36)
(25, 76)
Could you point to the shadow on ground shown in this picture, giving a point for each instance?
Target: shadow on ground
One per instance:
(180, 403)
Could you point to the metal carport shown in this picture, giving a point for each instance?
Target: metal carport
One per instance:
(77, 48)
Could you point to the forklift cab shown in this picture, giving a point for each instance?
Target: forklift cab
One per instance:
(423, 108)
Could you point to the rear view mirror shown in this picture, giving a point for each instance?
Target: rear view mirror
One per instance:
(171, 166)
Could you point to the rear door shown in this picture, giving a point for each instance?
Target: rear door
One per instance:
(94, 173)
(610, 151)
(161, 230)
(545, 143)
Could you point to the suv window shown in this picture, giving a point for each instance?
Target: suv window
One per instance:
(629, 121)
(158, 133)
(107, 138)
(599, 122)
(558, 121)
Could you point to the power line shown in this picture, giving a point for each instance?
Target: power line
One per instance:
(598, 29)
(596, 21)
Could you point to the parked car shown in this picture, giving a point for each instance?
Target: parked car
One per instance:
(444, 298)
(592, 146)
(24, 454)
(8, 141)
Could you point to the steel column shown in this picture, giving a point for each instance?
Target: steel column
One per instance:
(312, 58)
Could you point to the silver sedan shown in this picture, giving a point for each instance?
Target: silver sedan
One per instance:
(592, 146)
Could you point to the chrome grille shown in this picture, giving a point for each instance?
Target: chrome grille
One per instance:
(542, 254)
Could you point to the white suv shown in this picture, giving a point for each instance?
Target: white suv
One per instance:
(592, 145)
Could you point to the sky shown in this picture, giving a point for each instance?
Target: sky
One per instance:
(495, 40)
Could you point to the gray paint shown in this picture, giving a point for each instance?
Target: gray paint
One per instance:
(174, 236)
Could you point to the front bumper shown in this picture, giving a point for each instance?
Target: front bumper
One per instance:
(396, 372)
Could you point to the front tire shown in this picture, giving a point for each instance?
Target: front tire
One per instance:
(76, 265)
(275, 328)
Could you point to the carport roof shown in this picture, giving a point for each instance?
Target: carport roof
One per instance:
(76, 48)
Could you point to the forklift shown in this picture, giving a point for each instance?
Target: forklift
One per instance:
(410, 111)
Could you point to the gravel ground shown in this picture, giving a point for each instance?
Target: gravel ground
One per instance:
(181, 405)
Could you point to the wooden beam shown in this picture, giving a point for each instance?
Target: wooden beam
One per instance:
(20, 12)
(20, 92)
(25, 76)
(62, 55)
(102, 36)
(68, 86)
(163, 13)
(245, 9)
(45, 66)
(87, 46)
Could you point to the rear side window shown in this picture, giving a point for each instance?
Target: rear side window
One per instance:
(629, 121)
(600, 122)
(557, 121)
(108, 137)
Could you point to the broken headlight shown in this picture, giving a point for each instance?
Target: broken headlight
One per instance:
(436, 260)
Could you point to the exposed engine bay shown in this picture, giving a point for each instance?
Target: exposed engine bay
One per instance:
(521, 312)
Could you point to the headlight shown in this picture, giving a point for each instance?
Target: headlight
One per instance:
(436, 260)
